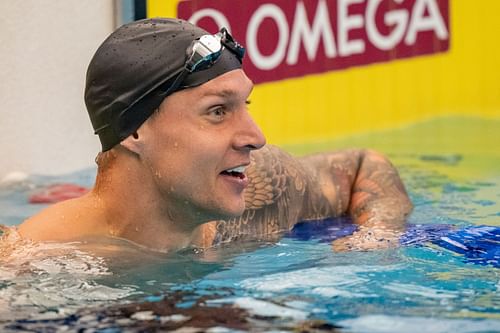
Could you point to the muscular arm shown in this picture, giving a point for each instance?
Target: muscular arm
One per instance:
(362, 183)
(284, 190)
(365, 185)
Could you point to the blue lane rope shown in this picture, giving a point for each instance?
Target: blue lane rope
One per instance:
(477, 244)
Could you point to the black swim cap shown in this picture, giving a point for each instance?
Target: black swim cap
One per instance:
(133, 66)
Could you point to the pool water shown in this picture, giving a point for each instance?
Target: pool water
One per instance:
(295, 284)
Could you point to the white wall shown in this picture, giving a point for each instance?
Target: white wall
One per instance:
(45, 47)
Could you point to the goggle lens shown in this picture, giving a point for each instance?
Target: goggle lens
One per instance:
(204, 52)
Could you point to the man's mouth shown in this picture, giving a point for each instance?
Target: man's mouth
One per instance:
(237, 172)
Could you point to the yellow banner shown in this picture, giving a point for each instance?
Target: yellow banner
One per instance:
(463, 81)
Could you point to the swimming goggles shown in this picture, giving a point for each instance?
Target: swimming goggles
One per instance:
(204, 53)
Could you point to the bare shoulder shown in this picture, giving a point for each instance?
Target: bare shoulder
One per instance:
(273, 198)
(62, 221)
(272, 174)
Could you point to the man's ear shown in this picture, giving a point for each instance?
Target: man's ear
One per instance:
(133, 143)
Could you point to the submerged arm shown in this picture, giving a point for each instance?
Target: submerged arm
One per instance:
(365, 185)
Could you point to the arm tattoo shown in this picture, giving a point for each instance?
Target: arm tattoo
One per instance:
(273, 198)
(378, 192)
(283, 190)
(331, 179)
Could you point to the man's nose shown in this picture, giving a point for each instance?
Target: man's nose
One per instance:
(248, 136)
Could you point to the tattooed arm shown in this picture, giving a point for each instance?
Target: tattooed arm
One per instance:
(273, 199)
(363, 184)
(284, 190)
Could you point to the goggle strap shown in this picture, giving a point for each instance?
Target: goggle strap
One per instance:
(177, 82)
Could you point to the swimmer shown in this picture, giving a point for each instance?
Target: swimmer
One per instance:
(184, 164)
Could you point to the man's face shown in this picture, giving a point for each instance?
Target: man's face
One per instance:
(198, 145)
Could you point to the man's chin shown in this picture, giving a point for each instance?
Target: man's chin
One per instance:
(219, 209)
(228, 213)
(231, 215)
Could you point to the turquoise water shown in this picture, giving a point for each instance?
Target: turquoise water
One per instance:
(289, 285)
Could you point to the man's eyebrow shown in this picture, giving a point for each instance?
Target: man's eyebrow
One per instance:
(226, 92)
(220, 93)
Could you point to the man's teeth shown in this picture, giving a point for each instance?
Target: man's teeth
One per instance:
(239, 169)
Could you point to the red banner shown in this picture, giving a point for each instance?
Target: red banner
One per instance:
(291, 38)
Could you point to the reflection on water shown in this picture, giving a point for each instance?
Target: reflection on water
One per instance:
(291, 281)
(42, 280)
(296, 282)
(438, 198)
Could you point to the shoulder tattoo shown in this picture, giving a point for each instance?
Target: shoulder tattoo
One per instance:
(273, 198)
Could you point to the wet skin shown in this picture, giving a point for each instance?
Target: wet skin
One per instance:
(284, 190)
(196, 135)
(178, 181)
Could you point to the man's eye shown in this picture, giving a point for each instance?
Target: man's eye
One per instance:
(218, 113)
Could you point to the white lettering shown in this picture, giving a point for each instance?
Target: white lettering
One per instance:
(399, 25)
(259, 60)
(420, 23)
(346, 23)
(398, 18)
(217, 16)
(310, 37)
